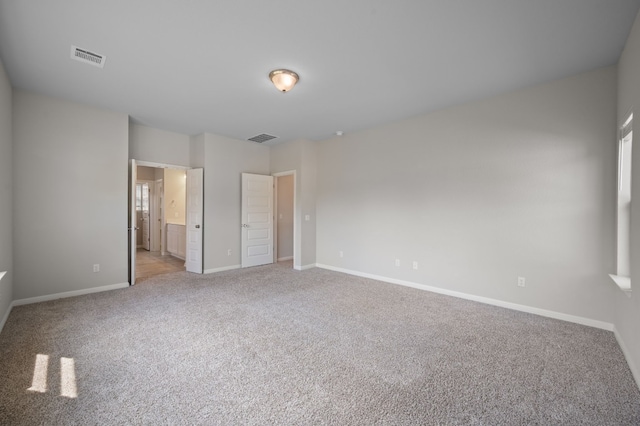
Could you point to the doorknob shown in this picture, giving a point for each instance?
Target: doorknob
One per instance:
(197, 226)
(244, 225)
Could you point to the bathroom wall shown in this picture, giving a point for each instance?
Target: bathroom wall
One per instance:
(175, 196)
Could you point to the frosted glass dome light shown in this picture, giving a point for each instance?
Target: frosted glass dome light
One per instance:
(284, 80)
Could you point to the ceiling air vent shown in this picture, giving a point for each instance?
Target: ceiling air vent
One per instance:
(262, 138)
(83, 55)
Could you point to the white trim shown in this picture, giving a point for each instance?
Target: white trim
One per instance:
(6, 317)
(627, 126)
(66, 294)
(623, 283)
(516, 307)
(161, 165)
(282, 259)
(305, 267)
(285, 173)
(222, 269)
(634, 370)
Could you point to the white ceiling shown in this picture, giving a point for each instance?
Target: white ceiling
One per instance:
(197, 66)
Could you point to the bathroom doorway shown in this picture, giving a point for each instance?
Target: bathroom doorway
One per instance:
(160, 220)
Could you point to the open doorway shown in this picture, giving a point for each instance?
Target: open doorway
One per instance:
(160, 221)
(285, 217)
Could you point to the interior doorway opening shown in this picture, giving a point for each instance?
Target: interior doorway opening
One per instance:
(161, 211)
(285, 219)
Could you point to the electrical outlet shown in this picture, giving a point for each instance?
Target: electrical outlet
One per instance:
(415, 264)
(521, 281)
(228, 252)
(397, 262)
(341, 253)
(307, 218)
(96, 267)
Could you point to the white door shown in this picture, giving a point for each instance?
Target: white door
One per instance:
(132, 221)
(257, 220)
(194, 220)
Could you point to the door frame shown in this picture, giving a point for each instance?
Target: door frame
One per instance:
(297, 248)
(132, 174)
(132, 218)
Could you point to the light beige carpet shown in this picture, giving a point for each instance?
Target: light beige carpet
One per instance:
(269, 345)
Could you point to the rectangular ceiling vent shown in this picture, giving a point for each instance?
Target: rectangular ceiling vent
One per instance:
(262, 138)
(83, 55)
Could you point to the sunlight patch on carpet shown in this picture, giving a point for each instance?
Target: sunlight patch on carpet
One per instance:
(39, 382)
(68, 378)
(68, 387)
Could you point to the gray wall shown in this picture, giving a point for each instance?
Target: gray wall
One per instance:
(6, 196)
(70, 198)
(196, 150)
(627, 309)
(225, 160)
(308, 194)
(158, 146)
(517, 185)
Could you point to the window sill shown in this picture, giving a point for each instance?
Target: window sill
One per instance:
(624, 283)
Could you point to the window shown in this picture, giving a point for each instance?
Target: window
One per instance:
(623, 252)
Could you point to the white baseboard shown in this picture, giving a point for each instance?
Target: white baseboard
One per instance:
(176, 256)
(516, 307)
(229, 268)
(305, 267)
(634, 369)
(222, 269)
(282, 259)
(66, 294)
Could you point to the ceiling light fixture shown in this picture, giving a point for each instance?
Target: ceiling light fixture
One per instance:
(284, 80)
